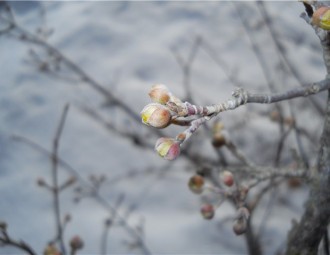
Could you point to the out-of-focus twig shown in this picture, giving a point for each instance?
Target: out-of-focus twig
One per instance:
(102, 201)
(6, 240)
(56, 189)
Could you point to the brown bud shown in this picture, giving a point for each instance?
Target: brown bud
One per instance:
(67, 217)
(289, 121)
(76, 243)
(51, 250)
(207, 211)
(41, 182)
(196, 184)
(275, 116)
(240, 223)
(218, 140)
(239, 226)
(3, 225)
(181, 137)
(294, 182)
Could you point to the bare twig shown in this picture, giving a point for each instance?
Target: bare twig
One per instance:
(56, 187)
(6, 240)
(102, 201)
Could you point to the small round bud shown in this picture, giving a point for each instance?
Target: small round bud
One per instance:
(76, 243)
(289, 121)
(196, 184)
(207, 211)
(156, 115)
(67, 218)
(51, 250)
(239, 226)
(108, 222)
(71, 180)
(228, 178)
(321, 18)
(168, 148)
(218, 140)
(275, 116)
(294, 183)
(181, 137)
(41, 182)
(3, 226)
(159, 93)
(240, 223)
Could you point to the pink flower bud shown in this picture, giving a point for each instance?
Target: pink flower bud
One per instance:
(228, 178)
(159, 93)
(76, 243)
(321, 17)
(156, 115)
(167, 148)
(196, 184)
(207, 211)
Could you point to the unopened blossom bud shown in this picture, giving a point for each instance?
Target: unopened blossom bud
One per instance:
(218, 140)
(159, 93)
(240, 223)
(239, 226)
(3, 225)
(76, 243)
(51, 250)
(67, 218)
(207, 211)
(156, 115)
(321, 18)
(228, 178)
(168, 148)
(41, 182)
(196, 184)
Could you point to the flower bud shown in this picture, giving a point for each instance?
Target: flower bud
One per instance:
(76, 243)
(239, 226)
(218, 140)
(159, 93)
(196, 184)
(51, 250)
(240, 223)
(321, 18)
(156, 115)
(67, 218)
(207, 211)
(3, 226)
(167, 148)
(41, 182)
(228, 178)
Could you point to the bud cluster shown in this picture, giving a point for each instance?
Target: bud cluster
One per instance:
(167, 109)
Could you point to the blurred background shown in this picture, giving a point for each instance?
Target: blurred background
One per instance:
(201, 51)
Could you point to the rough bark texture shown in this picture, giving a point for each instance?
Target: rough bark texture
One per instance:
(305, 236)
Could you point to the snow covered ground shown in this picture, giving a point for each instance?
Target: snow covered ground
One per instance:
(127, 47)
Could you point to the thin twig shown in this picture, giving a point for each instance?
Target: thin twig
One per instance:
(56, 190)
(102, 201)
